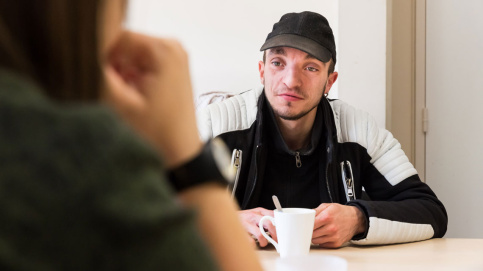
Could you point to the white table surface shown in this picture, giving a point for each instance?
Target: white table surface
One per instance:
(434, 254)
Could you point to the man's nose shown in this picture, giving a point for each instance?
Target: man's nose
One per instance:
(292, 77)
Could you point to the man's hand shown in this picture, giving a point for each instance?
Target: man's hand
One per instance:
(250, 218)
(336, 224)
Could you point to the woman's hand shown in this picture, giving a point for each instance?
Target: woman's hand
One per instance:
(147, 81)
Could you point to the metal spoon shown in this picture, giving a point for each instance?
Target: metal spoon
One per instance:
(277, 203)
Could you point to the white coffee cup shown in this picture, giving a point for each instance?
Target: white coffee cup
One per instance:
(294, 228)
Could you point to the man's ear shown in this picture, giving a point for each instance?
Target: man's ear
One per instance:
(330, 81)
(261, 70)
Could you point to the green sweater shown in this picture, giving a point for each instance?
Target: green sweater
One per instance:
(80, 191)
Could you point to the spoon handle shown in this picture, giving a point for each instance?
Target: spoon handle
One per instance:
(277, 203)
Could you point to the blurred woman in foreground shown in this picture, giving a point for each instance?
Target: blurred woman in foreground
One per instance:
(79, 189)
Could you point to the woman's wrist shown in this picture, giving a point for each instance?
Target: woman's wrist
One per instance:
(177, 154)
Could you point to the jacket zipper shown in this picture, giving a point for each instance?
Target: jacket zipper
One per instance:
(256, 171)
(348, 180)
(236, 161)
(327, 177)
(298, 161)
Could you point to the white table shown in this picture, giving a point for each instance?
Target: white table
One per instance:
(435, 255)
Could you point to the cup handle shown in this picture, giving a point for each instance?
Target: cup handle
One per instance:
(262, 231)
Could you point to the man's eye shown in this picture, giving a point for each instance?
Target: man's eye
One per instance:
(312, 69)
(276, 63)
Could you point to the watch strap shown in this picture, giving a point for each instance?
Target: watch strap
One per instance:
(199, 170)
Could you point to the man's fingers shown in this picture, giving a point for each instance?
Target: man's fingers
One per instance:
(321, 240)
(265, 212)
(326, 230)
(329, 245)
(251, 219)
(260, 211)
(271, 229)
(321, 219)
(327, 242)
(255, 232)
(318, 232)
(321, 208)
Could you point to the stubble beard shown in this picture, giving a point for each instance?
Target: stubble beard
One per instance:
(287, 116)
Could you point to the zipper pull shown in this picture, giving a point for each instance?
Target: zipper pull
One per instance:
(236, 158)
(236, 161)
(347, 180)
(350, 191)
(298, 161)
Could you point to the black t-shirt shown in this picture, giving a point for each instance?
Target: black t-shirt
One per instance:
(294, 185)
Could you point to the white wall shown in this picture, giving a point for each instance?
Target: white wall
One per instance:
(454, 96)
(362, 61)
(223, 38)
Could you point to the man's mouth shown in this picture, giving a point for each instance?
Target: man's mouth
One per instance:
(290, 97)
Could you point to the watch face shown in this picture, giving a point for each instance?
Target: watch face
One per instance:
(223, 159)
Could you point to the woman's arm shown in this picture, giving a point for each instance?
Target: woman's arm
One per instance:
(221, 227)
(147, 81)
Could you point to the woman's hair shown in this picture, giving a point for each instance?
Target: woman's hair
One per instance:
(55, 42)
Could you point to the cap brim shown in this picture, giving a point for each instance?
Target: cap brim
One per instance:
(298, 42)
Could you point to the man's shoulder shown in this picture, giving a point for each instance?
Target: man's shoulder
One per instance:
(344, 112)
(341, 107)
(210, 100)
(236, 112)
(353, 124)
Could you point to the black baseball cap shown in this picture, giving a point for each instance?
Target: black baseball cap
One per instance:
(306, 31)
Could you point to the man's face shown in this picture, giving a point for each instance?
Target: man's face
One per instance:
(294, 81)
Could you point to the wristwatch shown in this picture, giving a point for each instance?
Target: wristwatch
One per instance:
(212, 164)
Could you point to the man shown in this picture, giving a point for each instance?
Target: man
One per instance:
(289, 140)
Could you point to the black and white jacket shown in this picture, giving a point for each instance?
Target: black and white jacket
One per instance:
(359, 156)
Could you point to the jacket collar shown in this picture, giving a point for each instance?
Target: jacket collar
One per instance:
(260, 153)
(275, 134)
(326, 118)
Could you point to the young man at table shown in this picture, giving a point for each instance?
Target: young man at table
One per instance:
(289, 140)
